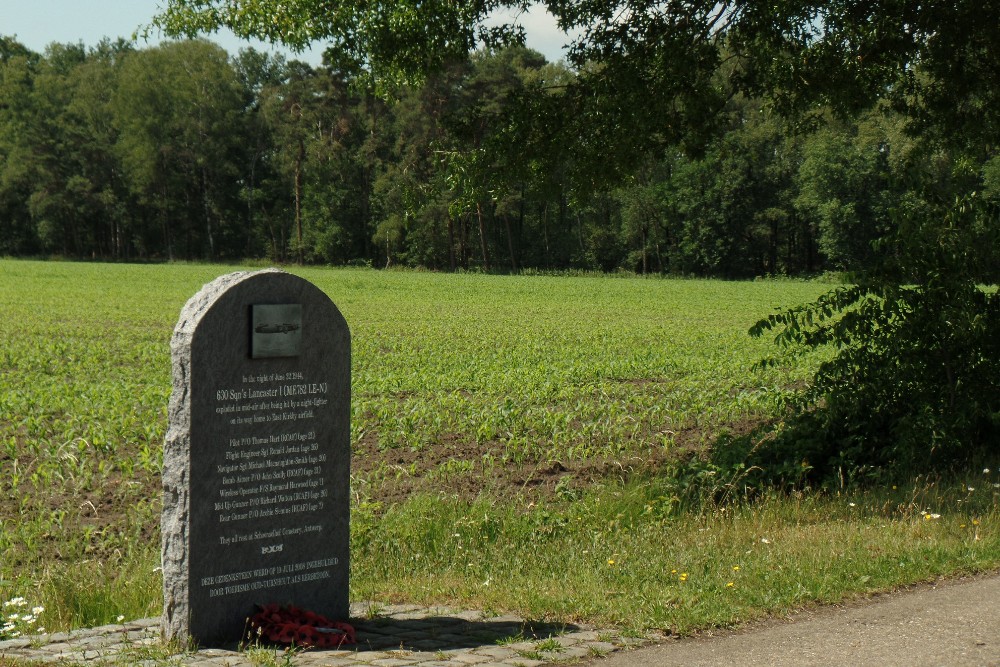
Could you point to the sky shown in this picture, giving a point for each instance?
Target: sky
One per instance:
(37, 23)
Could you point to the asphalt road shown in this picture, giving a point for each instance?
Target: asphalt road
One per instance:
(952, 623)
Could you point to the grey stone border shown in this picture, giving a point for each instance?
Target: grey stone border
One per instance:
(388, 636)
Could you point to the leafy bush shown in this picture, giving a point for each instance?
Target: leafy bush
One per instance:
(914, 384)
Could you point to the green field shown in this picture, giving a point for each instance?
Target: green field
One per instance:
(512, 438)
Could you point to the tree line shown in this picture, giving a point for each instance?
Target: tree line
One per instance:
(180, 151)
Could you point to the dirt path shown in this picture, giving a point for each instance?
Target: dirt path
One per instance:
(953, 623)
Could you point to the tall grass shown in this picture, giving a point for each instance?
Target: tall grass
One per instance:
(634, 556)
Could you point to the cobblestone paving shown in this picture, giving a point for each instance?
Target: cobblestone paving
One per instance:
(388, 636)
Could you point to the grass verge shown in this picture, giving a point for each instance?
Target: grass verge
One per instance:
(638, 557)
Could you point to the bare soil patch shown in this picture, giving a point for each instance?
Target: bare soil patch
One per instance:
(457, 465)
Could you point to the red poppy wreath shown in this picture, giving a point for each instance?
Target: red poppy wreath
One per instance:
(300, 627)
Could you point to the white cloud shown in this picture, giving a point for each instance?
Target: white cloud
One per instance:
(542, 33)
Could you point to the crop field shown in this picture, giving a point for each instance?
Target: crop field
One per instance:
(507, 436)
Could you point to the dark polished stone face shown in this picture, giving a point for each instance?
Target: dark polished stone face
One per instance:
(257, 460)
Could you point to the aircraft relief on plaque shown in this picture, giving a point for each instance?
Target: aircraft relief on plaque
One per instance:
(276, 330)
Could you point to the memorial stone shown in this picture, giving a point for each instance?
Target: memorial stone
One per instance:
(256, 465)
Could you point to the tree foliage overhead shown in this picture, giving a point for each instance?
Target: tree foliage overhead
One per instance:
(656, 66)
(389, 39)
(916, 371)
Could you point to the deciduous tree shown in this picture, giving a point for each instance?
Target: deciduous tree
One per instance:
(654, 73)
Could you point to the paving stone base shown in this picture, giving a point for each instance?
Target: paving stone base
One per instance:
(388, 636)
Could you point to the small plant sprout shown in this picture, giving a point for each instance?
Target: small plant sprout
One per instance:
(511, 639)
(550, 644)
(531, 655)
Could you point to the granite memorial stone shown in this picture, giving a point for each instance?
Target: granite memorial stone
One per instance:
(256, 464)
